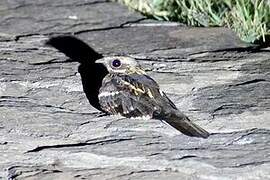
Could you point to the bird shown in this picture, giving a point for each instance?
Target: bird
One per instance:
(91, 73)
(117, 85)
(128, 91)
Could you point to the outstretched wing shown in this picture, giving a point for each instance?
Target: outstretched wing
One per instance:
(131, 95)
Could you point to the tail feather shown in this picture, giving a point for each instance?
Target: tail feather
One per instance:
(183, 124)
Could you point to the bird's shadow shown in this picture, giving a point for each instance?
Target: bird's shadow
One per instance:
(91, 73)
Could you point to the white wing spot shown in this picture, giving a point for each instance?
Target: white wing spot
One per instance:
(106, 94)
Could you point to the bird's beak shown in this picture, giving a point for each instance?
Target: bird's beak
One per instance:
(102, 61)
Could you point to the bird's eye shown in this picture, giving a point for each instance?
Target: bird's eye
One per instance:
(116, 63)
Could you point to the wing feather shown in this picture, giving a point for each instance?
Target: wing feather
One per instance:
(132, 95)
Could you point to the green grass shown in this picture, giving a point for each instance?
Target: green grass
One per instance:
(250, 19)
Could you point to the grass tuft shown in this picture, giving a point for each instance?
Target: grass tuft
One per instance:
(250, 19)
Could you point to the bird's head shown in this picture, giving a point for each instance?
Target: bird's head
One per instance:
(119, 64)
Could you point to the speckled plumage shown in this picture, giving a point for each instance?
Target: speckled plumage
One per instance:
(128, 91)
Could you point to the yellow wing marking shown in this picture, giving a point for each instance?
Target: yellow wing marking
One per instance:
(139, 90)
(149, 93)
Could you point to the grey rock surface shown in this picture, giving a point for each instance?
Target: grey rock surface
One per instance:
(49, 131)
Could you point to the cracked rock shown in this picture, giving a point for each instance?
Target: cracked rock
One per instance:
(48, 130)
